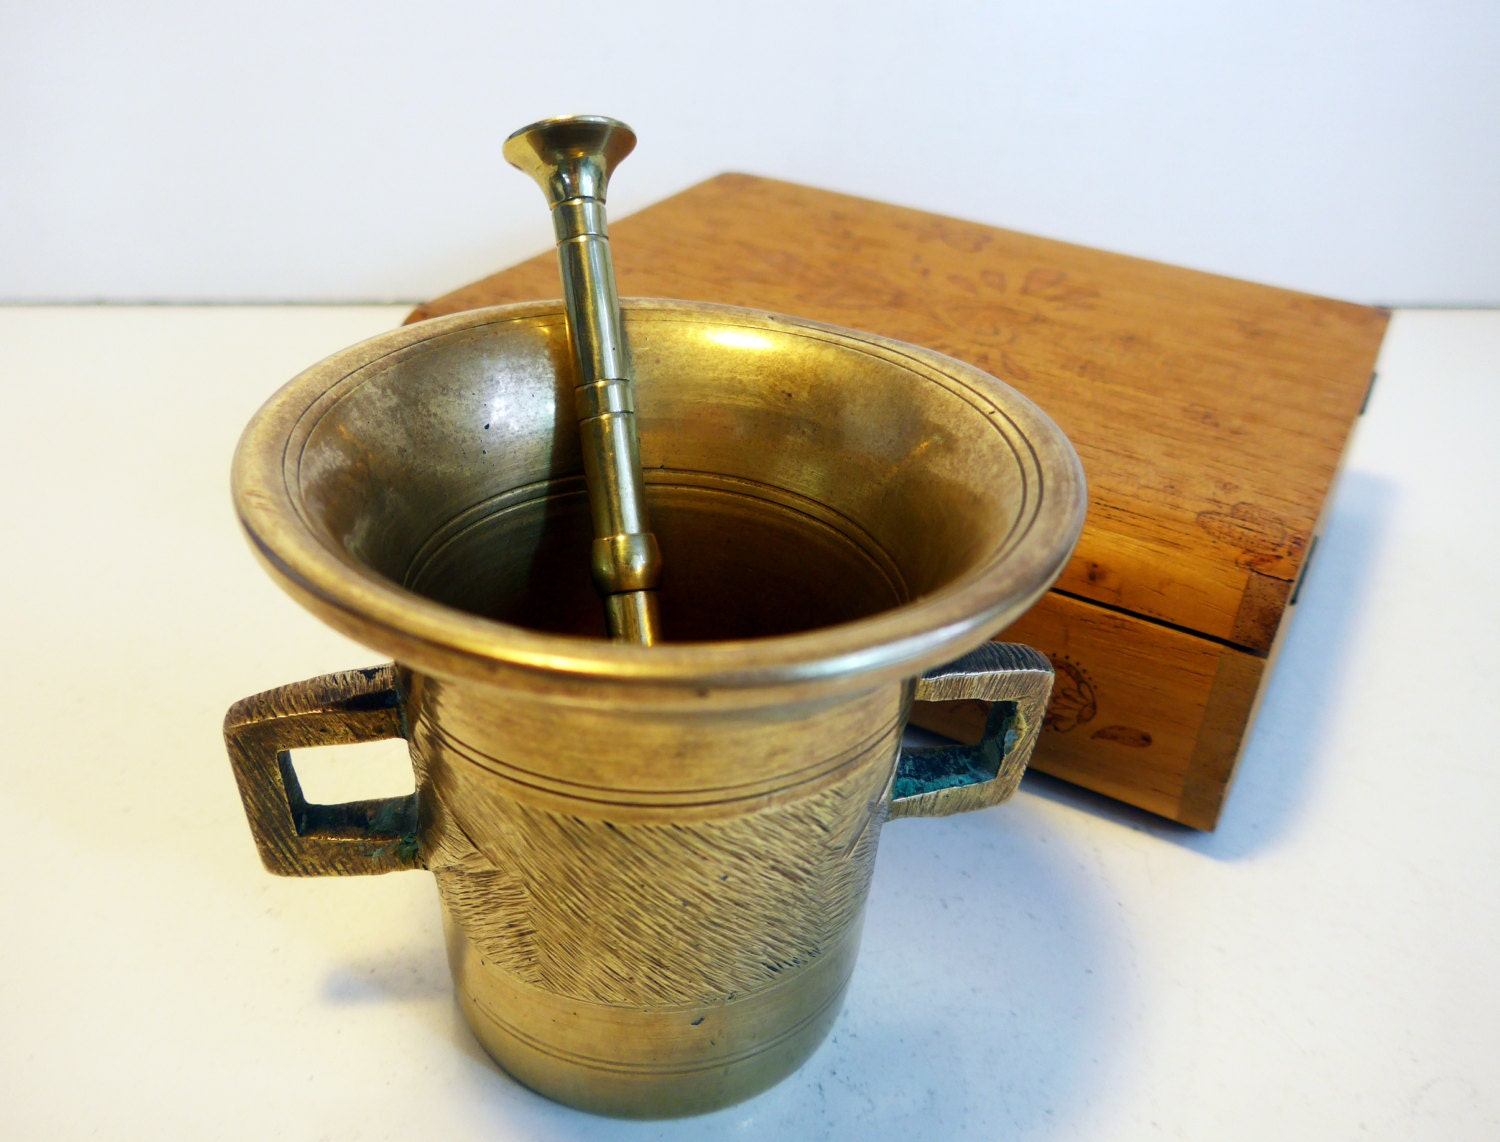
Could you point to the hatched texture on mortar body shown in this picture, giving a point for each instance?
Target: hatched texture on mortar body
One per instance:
(573, 899)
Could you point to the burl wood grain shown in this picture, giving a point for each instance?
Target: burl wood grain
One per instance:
(1211, 416)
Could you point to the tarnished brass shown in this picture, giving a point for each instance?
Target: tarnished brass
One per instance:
(571, 159)
(652, 861)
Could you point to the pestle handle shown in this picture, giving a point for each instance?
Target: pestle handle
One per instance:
(571, 159)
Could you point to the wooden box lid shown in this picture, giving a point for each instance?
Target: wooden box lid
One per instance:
(1210, 414)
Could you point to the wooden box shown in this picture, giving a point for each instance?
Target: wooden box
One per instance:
(1211, 416)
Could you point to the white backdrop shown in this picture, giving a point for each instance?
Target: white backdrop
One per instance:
(350, 149)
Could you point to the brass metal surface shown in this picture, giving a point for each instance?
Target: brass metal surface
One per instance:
(653, 862)
(571, 159)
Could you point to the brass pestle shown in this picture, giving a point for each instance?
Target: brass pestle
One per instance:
(571, 158)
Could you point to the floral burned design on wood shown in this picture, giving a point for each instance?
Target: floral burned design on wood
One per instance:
(1265, 539)
(1074, 701)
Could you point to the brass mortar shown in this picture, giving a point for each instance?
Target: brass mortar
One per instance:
(652, 861)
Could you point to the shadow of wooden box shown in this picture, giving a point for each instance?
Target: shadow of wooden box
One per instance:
(1211, 416)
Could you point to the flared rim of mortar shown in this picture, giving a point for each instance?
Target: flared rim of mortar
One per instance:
(432, 638)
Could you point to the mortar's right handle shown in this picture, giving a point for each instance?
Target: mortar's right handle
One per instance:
(942, 780)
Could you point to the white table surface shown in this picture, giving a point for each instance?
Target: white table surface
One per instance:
(1324, 966)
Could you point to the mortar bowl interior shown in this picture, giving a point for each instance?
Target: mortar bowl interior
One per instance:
(424, 491)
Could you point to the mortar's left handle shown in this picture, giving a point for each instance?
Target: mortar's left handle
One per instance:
(296, 838)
